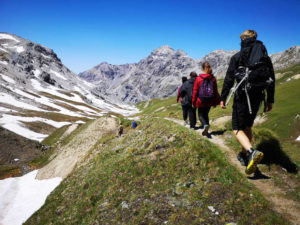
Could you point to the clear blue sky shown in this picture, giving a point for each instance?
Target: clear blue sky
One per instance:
(84, 33)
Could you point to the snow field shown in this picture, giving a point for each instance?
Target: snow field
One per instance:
(7, 79)
(8, 36)
(58, 75)
(8, 99)
(3, 62)
(13, 124)
(18, 49)
(54, 91)
(20, 197)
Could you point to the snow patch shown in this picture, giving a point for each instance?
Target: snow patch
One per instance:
(45, 56)
(36, 72)
(8, 36)
(3, 62)
(20, 197)
(80, 122)
(39, 119)
(6, 98)
(8, 79)
(18, 49)
(134, 118)
(58, 74)
(2, 49)
(54, 91)
(11, 123)
(6, 110)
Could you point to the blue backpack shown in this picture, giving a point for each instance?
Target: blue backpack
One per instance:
(206, 91)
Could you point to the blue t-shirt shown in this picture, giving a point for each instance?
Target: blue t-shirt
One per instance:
(133, 124)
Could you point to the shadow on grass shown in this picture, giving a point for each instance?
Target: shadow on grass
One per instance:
(274, 154)
(258, 175)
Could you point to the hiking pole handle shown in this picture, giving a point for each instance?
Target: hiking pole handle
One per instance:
(232, 91)
(238, 85)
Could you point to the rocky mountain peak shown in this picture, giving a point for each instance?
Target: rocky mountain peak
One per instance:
(159, 74)
(163, 51)
(285, 58)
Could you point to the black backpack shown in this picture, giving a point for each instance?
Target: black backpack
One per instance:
(186, 92)
(253, 73)
(255, 60)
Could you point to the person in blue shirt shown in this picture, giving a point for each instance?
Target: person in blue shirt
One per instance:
(133, 124)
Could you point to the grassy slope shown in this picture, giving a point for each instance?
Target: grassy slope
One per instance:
(276, 137)
(158, 172)
(173, 109)
(162, 172)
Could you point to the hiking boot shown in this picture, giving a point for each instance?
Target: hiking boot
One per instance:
(205, 132)
(243, 158)
(254, 158)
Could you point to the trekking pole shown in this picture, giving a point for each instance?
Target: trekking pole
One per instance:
(247, 95)
(236, 86)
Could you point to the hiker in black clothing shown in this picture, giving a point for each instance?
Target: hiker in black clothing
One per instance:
(184, 107)
(253, 70)
(186, 92)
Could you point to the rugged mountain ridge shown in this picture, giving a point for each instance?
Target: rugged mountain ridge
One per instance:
(38, 92)
(27, 63)
(159, 74)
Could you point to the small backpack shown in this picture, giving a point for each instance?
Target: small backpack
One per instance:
(206, 91)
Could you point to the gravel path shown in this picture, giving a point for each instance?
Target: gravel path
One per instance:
(73, 153)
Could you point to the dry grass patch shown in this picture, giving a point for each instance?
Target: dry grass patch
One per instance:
(69, 107)
(48, 95)
(58, 117)
(66, 93)
(39, 127)
(37, 96)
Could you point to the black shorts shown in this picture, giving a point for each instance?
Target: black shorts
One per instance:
(241, 117)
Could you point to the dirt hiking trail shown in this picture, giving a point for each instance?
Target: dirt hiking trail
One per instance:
(73, 153)
(286, 207)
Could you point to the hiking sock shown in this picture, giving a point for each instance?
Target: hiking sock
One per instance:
(205, 131)
(250, 150)
(243, 158)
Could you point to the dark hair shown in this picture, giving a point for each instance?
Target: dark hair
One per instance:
(184, 79)
(193, 74)
(206, 67)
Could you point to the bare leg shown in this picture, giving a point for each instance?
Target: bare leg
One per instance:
(243, 139)
(248, 132)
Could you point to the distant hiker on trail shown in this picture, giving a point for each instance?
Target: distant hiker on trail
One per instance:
(133, 124)
(186, 92)
(205, 95)
(121, 129)
(184, 107)
(253, 71)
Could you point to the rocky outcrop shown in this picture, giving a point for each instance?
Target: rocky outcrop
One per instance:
(16, 149)
(159, 74)
(286, 58)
